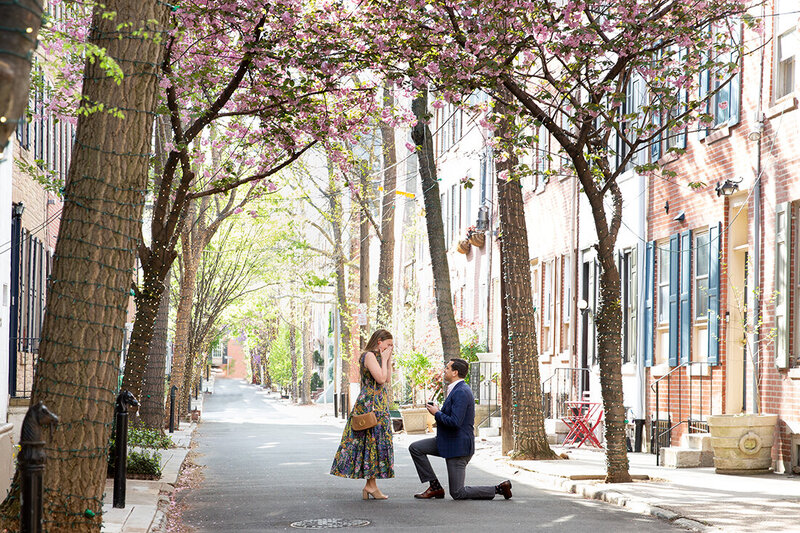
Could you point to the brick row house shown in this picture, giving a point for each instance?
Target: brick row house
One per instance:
(709, 259)
(720, 259)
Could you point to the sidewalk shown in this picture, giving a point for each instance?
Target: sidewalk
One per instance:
(145, 501)
(695, 498)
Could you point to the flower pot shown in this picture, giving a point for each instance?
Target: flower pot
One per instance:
(477, 239)
(463, 246)
(416, 419)
(742, 443)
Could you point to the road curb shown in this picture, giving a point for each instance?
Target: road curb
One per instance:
(609, 495)
(159, 522)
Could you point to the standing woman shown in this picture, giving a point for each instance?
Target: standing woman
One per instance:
(369, 453)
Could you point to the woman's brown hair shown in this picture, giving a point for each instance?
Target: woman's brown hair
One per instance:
(379, 335)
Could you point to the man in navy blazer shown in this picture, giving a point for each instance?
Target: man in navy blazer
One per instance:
(455, 441)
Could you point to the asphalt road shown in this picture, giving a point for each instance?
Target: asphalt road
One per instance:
(266, 467)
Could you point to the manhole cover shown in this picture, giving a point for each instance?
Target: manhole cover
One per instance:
(329, 523)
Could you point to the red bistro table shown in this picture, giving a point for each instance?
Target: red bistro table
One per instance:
(582, 419)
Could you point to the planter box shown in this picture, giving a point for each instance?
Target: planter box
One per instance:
(416, 419)
(742, 443)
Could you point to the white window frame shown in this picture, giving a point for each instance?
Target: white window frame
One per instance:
(720, 95)
(566, 301)
(662, 298)
(786, 33)
(630, 307)
(700, 312)
(547, 294)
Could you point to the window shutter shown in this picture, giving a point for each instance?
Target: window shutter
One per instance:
(702, 130)
(655, 148)
(734, 99)
(633, 303)
(681, 137)
(714, 253)
(674, 255)
(686, 295)
(783, 225)
(649, 269)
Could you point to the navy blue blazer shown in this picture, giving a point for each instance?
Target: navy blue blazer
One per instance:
(455, 434)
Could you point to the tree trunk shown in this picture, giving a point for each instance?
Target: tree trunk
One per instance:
(506, 400)
(308, 358)
(421, 134)
(530, 439)
(363, 262)
(609, 341)
(151, 410)
(386, 264)
(343, 308)
(83, 329)
(180, 374)
(189, 373)
(255, 367)
(24, 19)
(293, 354)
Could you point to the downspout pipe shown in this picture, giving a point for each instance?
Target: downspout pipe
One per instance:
(756, 352)
(639, 406)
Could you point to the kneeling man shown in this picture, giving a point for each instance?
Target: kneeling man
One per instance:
(454, 441)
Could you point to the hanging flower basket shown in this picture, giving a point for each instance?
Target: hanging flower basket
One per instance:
(477, 239)
(463, 246)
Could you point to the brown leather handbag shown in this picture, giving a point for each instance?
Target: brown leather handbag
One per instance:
(365, 421)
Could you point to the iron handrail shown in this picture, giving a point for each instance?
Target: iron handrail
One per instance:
(668, 374)
(655, 387)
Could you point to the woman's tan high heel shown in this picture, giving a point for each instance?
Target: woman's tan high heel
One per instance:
(376, 494)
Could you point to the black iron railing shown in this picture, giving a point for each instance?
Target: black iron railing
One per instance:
(484, 379)
(692, 408)
(22, 366)
(565, 384)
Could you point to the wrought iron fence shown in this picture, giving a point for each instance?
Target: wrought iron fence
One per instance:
(484, 379)
(563, 385)
(23, 357)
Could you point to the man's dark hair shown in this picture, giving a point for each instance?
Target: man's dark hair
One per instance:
(460, 366)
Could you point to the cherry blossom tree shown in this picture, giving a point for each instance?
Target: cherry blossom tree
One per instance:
(267, 76)
(567, 67)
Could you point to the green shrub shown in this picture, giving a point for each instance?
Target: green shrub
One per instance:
(144, 463)
(149, 438)
(316, 381)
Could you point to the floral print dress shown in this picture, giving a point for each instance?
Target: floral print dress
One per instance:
(368, 453)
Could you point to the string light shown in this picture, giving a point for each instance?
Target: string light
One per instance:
(77, 376)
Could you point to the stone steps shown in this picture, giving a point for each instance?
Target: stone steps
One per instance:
(694, 452)
(489, 432)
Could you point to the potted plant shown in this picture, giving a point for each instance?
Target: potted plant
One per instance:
(742, 443)
(418, 371)
(463, 246)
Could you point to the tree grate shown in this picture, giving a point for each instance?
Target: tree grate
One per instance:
(329, 523)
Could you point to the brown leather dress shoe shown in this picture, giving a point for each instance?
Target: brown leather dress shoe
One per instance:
(429, 493)
(504, 488)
